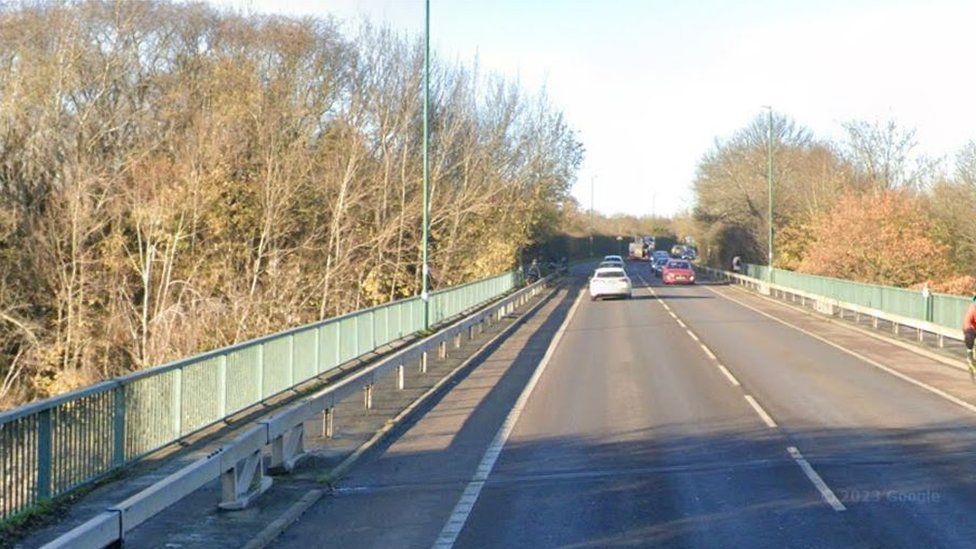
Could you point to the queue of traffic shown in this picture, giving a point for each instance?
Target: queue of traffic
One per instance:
(610, 277)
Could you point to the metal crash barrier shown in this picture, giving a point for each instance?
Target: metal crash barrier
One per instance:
(240, 464)
(935, 314)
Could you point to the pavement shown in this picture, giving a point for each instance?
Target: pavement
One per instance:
(686, 416)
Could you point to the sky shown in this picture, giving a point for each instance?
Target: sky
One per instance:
(649, 85)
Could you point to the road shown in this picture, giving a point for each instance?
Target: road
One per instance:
(681, 417)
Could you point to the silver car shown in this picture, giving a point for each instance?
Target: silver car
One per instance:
(610, 282)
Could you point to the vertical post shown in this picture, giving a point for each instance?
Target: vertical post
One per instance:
(118, 426)
(327, 416)
(769, 183)
(260, 372)
(592, 215)
(222, 385)
(291, 360)
(176, 413)
(44, 454)
(425, 293)
(368, 396)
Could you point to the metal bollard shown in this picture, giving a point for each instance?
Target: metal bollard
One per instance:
(368, 396)
(400, 377)
(423, 362)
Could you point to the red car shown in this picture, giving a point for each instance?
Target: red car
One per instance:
(678, 271)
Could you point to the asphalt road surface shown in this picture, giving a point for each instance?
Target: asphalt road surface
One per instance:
(680, 418)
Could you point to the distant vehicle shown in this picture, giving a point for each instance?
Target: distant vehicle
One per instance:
(678, 271)
(641, 248)
(681, 251)
(658, 254)
(610, 282)
(658, 265)
(613, 258)
(610, 265)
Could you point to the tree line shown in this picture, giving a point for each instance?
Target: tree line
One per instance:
(175, 178)
(868, 207)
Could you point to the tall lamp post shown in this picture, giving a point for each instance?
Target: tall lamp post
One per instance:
(592, 224)
(769, 185)
(425, 285)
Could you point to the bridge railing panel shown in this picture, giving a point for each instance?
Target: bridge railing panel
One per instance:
(51, 447)
(940, 309)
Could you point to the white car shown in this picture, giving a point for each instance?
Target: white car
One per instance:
(610, 281)
(612, 261)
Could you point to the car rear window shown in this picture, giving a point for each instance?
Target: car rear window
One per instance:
(611, 274)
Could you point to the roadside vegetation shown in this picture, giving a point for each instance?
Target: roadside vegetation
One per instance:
(868, 208)
(175, 178)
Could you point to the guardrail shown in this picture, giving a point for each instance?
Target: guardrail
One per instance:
(240, 464)
(51, 447)
(907, 308)
(942, 309)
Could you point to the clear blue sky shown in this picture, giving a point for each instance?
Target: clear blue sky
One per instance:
(650, 84)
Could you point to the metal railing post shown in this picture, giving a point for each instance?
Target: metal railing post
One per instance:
(118, 426)
(44, 454)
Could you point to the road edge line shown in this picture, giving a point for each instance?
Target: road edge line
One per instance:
(265, 537)
(921, 351)
(469, 497)
(870, 361)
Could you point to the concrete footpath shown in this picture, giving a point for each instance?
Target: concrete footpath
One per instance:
(196, 521)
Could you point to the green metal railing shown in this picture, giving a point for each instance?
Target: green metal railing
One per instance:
(940, 309)
(51, 447)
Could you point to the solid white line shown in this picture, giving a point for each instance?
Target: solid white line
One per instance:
(818, 482)
(762, 413)
(455, 523)
(872, 362)
(728, 374)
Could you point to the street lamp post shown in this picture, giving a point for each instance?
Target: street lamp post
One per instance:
(769, 180)
(425, 284)
(592, 224)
